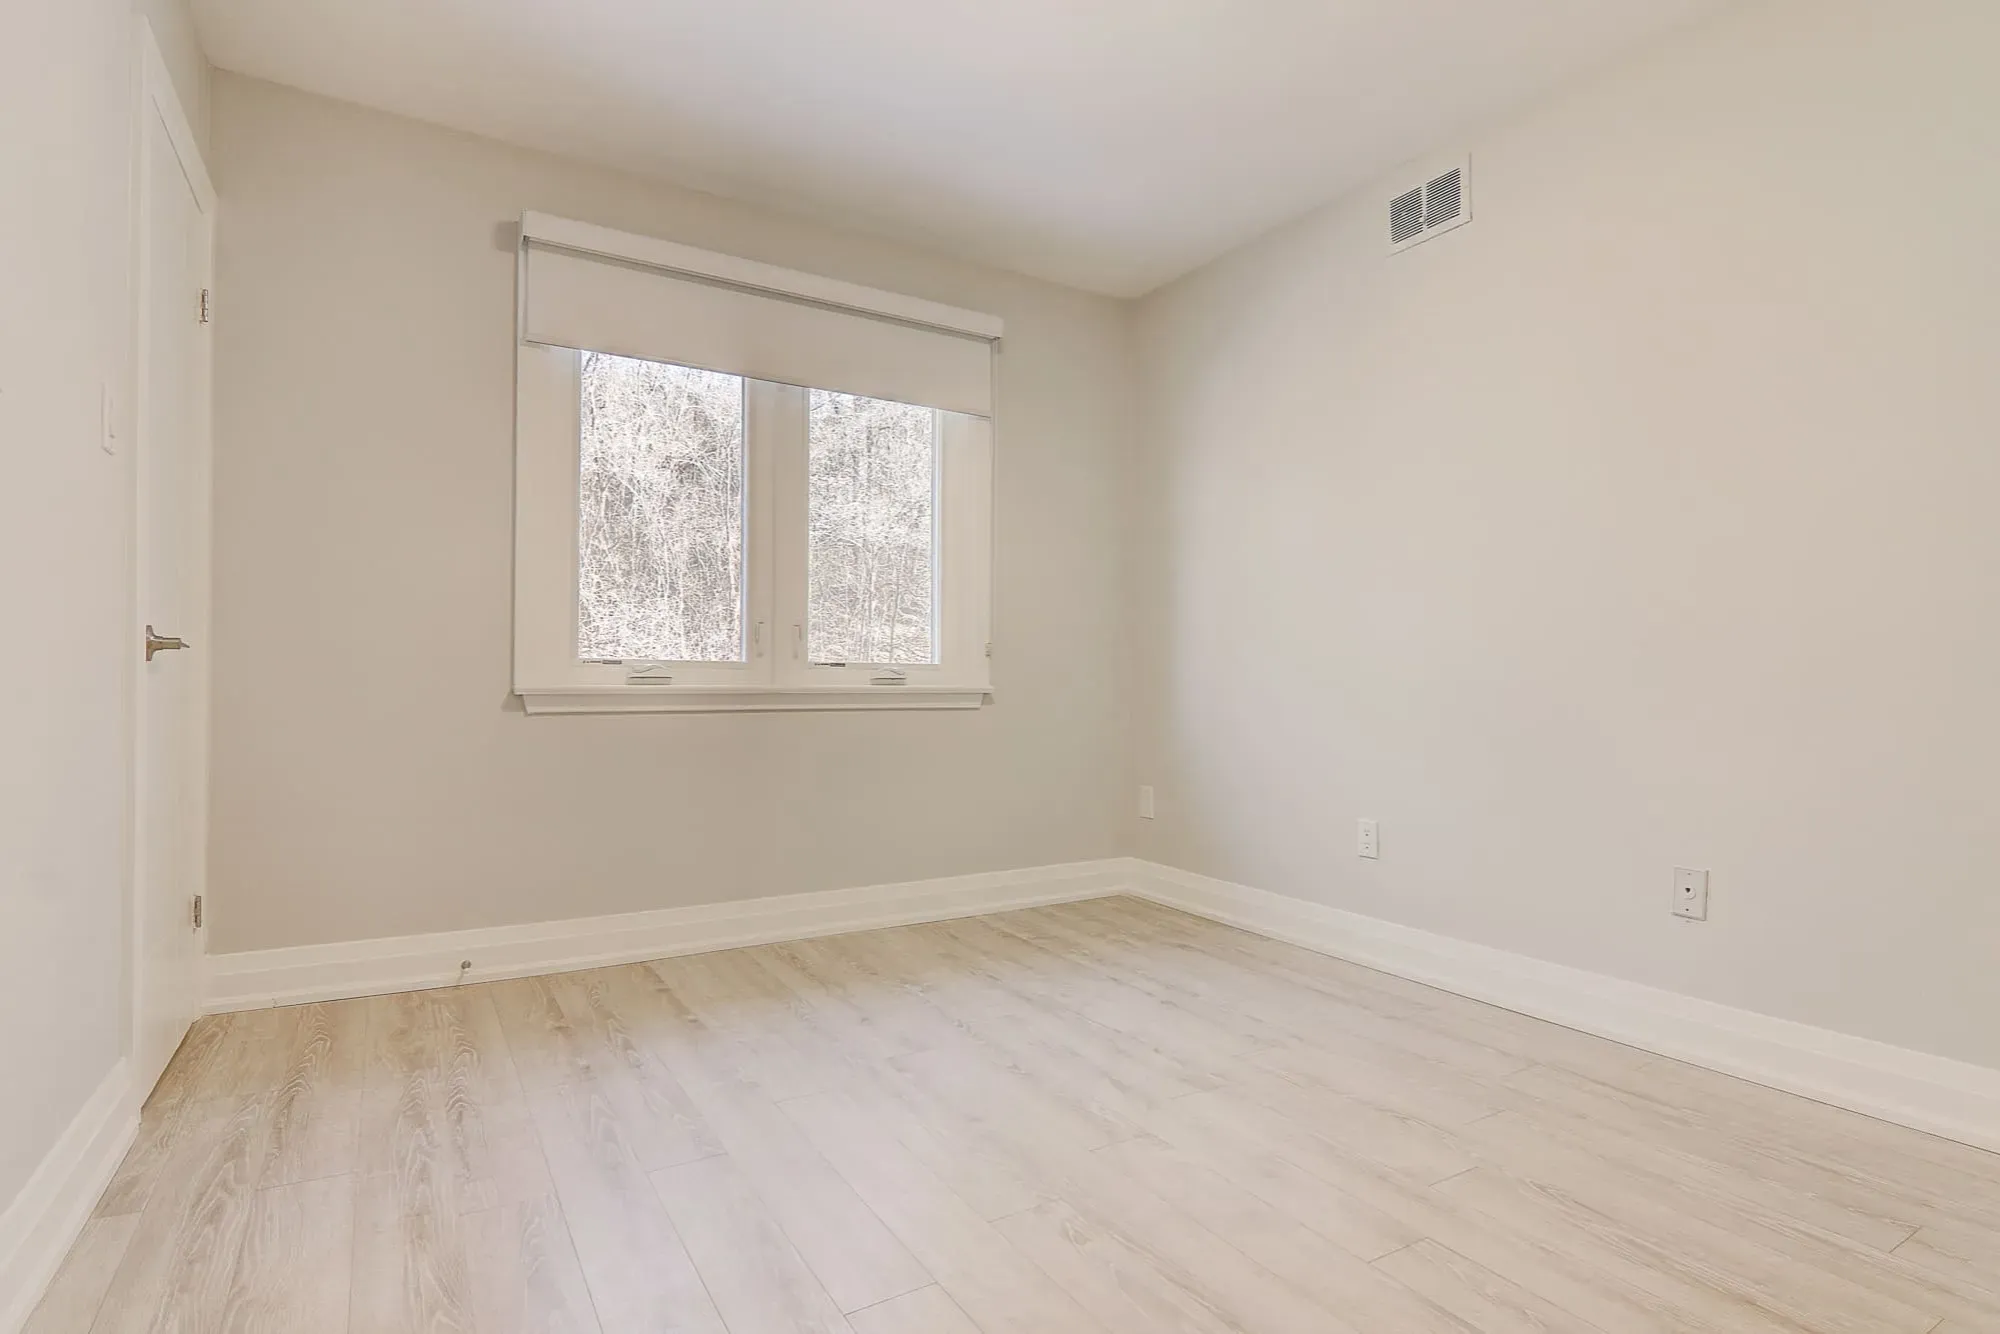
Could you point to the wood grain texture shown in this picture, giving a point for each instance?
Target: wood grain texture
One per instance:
(161, 1121)
(442, 1108)
(1088, 1119)
(316, 1102)
(180, 1266)
(634, 1261)
(292, 1274)
(511, 1269)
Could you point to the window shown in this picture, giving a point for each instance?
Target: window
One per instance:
(744, 488)
(660, 513)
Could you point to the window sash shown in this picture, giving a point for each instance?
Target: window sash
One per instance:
(960, 553)
(550, 470)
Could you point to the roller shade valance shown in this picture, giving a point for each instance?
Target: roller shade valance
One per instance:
(591, 288)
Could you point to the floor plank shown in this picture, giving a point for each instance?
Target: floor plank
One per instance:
(522, 1272)
(293, 1270)
(178, 1269)
(633, 1259)
(858, 1259)
(992, 1282)
(316, 1104)
(161, 1121)
(78, 1289)
(511, 1269)
(442, 1109)
(751, 1269)
(925, 1311)
(571, 1027)
(1477, 1295)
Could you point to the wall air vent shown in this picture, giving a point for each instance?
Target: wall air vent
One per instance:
(1440, 202)
(1406, 216)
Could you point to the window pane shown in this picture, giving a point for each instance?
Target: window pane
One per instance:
(872, 496)
(660, 534)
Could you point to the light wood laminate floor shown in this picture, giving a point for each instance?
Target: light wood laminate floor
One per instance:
(1102, 1118)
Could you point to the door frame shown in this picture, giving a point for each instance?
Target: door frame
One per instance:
(157, 98)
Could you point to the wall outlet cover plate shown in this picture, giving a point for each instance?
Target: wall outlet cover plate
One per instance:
(1691, 893)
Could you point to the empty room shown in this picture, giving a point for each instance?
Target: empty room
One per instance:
(928, 667)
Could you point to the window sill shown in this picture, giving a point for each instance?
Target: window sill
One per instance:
(746, 699)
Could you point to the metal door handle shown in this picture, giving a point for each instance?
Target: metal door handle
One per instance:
(159, 643)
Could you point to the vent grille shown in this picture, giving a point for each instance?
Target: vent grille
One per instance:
(1443, 201)
(1406, 216)
(1441, 198)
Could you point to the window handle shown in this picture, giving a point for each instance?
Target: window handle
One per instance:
(798, 641)
(757, 639)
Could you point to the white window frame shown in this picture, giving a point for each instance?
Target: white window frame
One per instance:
(550, 677)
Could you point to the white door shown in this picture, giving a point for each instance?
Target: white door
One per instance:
(170, 635)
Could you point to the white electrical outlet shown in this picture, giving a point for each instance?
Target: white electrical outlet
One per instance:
(1367, 839)
(1145, 803)
(1691, 893)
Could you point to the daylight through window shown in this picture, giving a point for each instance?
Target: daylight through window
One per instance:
(872, 472)
(660, 513)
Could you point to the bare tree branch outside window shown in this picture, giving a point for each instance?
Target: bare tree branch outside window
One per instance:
(872, 469)
(661, 523)
(660, 532)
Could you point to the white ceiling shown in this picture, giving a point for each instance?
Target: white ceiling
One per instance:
(1107, 144)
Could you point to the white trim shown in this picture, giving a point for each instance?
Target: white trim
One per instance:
(158, 87)
(411, 963)
(44, 1220)
(157, 97)
(1945, 1097)
(591, 239)
(745, 699)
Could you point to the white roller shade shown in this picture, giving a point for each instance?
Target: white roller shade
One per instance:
(633, 307)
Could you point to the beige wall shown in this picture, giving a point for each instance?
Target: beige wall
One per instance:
(1648, 520)
(67, 101)
(372, 776)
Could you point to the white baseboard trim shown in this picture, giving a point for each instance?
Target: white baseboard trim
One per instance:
(293, 976)
(45, 1219)
(1955, 1099)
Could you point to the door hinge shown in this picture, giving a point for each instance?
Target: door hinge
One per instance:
(204, 305)
(197, 912)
